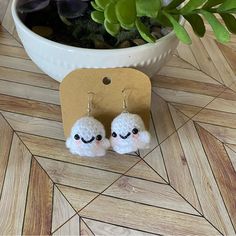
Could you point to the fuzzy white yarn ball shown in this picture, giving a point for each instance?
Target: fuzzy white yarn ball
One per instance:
(128, 133)
(87, 138)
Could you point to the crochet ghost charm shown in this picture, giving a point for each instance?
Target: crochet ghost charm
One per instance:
(87, 138)
(128, 133)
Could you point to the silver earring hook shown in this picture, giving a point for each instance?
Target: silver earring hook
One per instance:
(125, 106)
(90, 101)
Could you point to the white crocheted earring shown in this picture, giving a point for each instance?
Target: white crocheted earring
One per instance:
(128, 133)
(88, 136)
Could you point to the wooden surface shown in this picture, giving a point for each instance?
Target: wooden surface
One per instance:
(185, 184)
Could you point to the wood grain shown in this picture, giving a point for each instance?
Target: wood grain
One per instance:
(28, 78)
(39, 202)
(186, 75)
(208, 193)
(183, 97)
(17, 52)
(19, 64)
(29, 92)
(146, 218)
(222, 168)
(186, 54)
(5, 145)
(84, 229)
(78, 198)
(189, 86)
(72, 227)
(143, 171)
(7, 39)
(178, 117)
(7, 21)
(30, 108)
(56, 149)
(150, 193)
(161, 115)
(225, 135)
(178, 62)
(100, 228)
(220, 62)
(78, 176)
(62, 211)
(217, 118)
(13, 200)
(231, 153)
(33, 125)
(155, 160)
(178, 170)
(203, 59)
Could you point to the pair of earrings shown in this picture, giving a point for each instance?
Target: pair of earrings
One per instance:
(88, 137)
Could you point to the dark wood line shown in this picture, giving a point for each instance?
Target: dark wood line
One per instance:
(87, 226)
(27, 192)
(9, 152)
(53, 186)
(23, 114)
(214, 173)
(31, 85)
(9, 45)
(65, 197)
(38, 73)
(63, 224)
(117, 225)
(206, 123)
(80, 165)
(191, 176)
(146, 204)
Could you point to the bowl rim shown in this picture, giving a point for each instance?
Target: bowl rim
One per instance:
(68, 47)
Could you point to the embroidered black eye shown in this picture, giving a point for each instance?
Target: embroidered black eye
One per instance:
(99, 137)
(76, 137)
(114, 135)
(135, 131)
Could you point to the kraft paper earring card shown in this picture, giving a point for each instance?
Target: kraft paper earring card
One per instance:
(107, 85)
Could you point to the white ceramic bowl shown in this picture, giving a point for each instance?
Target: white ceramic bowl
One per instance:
(57, 60)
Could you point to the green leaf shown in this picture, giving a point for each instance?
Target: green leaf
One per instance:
(212, 3)
(220, 31)
(149, 8)
(174, 4)
(197, 24)
(191, 5)
(102, 3)
(144, 31)
(227, 6)
(95, 6)
(112, 29)
(230, 22)
(110, 13)
(180, 31)
(126, 13)
(98, 17)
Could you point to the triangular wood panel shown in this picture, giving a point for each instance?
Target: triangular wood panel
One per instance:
(184, 184)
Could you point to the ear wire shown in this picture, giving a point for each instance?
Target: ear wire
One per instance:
(125, 106)
(90, 102)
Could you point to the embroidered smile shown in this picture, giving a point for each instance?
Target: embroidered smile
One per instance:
(88, 141)
(126, 136)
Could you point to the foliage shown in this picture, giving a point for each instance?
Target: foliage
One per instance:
(126, 18)
(116, 15)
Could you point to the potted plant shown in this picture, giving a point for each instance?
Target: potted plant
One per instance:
(62, 35)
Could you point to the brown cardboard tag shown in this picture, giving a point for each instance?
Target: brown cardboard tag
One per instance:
(107, 102)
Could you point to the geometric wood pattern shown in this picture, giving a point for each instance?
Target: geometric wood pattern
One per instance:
(184, 184)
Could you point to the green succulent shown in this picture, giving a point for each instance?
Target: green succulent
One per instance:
(118, 15)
